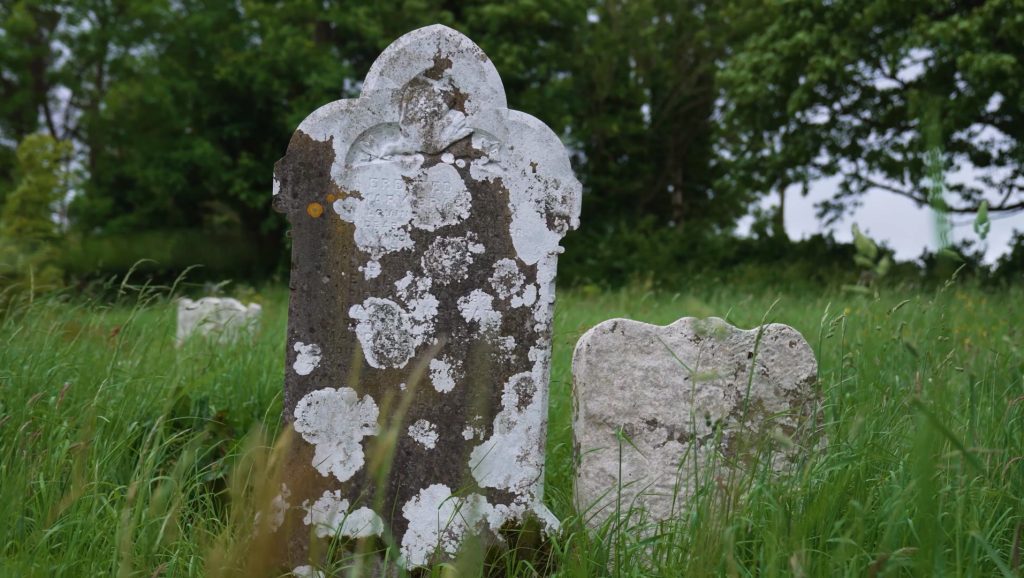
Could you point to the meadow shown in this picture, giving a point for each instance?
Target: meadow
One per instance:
(125, 456)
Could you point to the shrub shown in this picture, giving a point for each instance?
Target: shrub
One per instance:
(29, 235)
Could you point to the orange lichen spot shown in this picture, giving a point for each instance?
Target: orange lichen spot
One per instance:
(331, 198)
(315, 210)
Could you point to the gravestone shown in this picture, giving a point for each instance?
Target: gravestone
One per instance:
(221, 319)
(425, 220)
(697, 402)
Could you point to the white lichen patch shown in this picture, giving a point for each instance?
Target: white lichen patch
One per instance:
(404, 286)
(307, 571)
(469, 432)
(543, 308)
(371, 270)
(478, 307)
(544, 196)
(278, 508)
(431, 525)
(506, 279)
(346, 208)
(447, 259)
(415, 292)
(489, 166)
(335, 421)
(507, 346)
(422, 311)
(424, 433)
(438, 521)
(527, 298)
(308, 357)
(385, 331)
(508, 282)
(512, 459)
(440, 198)
(330, 516)
(414, 323)
(444, 372)
(382, 212)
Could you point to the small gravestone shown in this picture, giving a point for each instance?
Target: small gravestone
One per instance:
(678, 407)
(219, 318)
(425, 220)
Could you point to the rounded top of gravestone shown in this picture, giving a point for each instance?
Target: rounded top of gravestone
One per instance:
(438, 48)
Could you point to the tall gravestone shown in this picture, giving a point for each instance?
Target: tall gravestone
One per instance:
(425, 223)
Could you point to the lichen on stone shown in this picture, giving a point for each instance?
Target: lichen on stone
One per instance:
(335, 421)
(330, 516)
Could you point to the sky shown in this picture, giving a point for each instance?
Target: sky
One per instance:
(890, 219)
(896, 221)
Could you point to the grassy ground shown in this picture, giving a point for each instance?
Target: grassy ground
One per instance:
(124, 456)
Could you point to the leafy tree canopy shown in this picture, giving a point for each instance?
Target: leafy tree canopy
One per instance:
(864, 89)
(680, 113)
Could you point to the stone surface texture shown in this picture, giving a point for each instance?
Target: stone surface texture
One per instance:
(692, 403)
(221, 319)
(426, 218)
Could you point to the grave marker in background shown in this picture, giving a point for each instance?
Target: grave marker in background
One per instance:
(222, 319)
(425, 216)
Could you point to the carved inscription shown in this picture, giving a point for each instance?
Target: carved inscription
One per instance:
(384, 183)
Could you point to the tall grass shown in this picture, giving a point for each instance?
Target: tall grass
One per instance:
(123, 455)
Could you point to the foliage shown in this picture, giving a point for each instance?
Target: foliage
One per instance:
(162, 255)
(29, 236)
(179, 110)
(873, 263)
(121, 455)
(649, 254)
(847, 88)
(678, 114)
(644, 79)
(982, 225)
(1010, 267)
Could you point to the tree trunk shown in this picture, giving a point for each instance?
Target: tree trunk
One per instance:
(779, 223)
(678, 198)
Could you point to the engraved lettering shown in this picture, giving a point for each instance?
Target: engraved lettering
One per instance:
(433, 187)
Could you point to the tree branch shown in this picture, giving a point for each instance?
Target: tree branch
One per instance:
(1003, 207)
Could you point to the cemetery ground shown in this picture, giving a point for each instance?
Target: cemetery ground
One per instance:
(124, 455)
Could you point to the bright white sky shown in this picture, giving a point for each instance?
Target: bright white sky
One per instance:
(896, 221)
(890, 219)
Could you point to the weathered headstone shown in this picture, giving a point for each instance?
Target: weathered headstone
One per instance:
(678, 406)
(219, 318)
(426, 217)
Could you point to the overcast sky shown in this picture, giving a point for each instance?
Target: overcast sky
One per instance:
(890, 219)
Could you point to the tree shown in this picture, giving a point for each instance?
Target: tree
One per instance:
(645, 78)
(178, 110)
(855, 88)
(28, 232)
